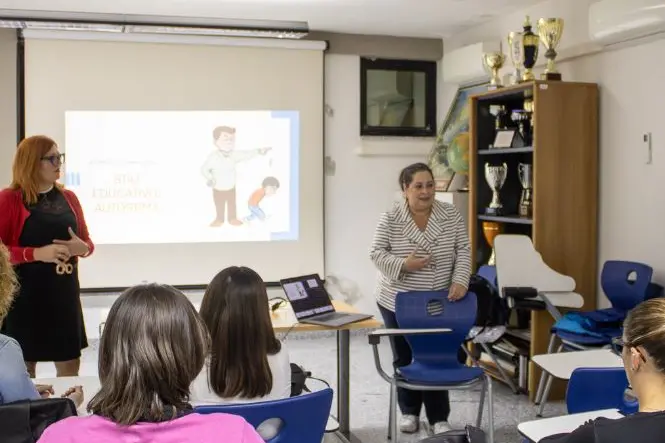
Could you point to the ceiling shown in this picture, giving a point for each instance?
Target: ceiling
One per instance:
(408, 18)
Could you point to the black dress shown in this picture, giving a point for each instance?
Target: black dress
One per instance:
(46, 317)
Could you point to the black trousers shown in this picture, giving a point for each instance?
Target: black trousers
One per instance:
(437, 403)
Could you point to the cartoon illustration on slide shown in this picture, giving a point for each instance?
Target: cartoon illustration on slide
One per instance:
(269, 187)
(219, 171)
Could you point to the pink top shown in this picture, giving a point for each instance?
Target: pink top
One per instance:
(192, 428)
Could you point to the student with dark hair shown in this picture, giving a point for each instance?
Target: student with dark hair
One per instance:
(153, 346)
(642, 350)
(247, 362)
(419, 245)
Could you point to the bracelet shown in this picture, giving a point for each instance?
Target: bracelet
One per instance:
(25, 259)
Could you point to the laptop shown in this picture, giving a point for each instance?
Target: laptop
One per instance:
(311, 302)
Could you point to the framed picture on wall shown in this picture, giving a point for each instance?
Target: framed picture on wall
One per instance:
(397, 98)
(449, 157)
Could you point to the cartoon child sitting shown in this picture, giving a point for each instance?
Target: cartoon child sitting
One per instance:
(269, 187)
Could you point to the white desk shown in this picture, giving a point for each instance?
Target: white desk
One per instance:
(562, 364)
(536, 430)
(61, 384)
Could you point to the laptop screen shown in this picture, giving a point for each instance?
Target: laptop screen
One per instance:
(307, 296)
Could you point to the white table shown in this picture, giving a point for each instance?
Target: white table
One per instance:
(562, 364)
(60, 385)
(536, 430)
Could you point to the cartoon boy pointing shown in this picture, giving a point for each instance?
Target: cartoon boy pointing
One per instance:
(219, 171)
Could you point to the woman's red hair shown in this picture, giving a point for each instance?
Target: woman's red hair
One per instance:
(27, 161)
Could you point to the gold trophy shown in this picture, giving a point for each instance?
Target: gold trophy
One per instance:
(490, 231)
(550, 31)
(516, 51)
(493, 61)
(530, 44)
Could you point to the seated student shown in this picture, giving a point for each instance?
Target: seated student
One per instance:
(247, 363)
(643, 357)
(15, 383)
(153, 346)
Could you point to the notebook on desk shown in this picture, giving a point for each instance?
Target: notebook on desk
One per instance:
(311, 302)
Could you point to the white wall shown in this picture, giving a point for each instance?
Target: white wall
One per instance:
(7, 103)
(362, 187)
(632, 206)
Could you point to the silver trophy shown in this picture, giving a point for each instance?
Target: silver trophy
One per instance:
(495, 177)
(516, 51)
(525, 174)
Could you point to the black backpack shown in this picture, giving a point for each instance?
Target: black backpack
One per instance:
(492, 309)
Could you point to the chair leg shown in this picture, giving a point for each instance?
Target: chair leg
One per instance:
(541, 383)
(502, 372)
(546, 394)
(481, 404)
(490, 408)
(392, 417)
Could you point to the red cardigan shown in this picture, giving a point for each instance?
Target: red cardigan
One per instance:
(13, 215)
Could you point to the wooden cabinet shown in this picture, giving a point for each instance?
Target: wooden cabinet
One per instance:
(563, 152)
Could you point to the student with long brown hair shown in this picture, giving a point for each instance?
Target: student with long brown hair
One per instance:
(642, 350)
(247, 363)
(43, 226)
(153, 346)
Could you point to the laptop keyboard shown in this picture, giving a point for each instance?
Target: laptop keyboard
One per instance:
(330, 316)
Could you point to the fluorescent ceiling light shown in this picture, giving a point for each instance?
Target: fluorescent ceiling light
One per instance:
(226, 32)
(142, 24)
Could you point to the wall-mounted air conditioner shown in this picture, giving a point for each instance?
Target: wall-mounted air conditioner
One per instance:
(613, 22)
(465, 65)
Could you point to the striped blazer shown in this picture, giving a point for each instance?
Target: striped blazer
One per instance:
(445, 239)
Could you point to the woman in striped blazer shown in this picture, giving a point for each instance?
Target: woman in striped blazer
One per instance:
(421, 244)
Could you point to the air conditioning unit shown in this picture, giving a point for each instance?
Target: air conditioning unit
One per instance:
(612, 22)
(465, 65)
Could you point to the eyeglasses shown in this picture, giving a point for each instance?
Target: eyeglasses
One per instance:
(618, 344)
(55, 159)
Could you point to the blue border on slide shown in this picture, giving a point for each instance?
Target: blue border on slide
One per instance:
(294, 179)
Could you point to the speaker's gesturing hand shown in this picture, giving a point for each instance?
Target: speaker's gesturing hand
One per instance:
(52, 254)
(415, 263)
(456, 292)
(75, 245)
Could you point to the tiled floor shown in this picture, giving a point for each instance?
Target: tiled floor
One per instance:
(369, 393)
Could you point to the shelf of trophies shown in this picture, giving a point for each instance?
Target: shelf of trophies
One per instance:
(533, 170)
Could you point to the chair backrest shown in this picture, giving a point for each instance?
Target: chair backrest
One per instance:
(592, 389)
(432, 309)
(624, 292)
(518, 264)
(24, 421)
(488, 272)
(304, 417)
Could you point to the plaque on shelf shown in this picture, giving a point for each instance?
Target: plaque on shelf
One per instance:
(508, 138)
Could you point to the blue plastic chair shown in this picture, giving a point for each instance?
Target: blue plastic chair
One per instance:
(593, 389)
(303, 417)
(435, 328)
(623, 292)
(488, 272)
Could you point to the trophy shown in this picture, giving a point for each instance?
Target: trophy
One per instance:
(549, 31)
(495, 177)
(499, 113)
(516, 56)
(525, 174)
(493, 61)
(490, 231)
(530, 44)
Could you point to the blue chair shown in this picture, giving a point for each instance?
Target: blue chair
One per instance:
(435, 328)
(593, 389)
(624, 293)
(488, 272)
(303, 417)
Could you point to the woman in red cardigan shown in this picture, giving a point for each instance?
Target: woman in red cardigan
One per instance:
(42, 224)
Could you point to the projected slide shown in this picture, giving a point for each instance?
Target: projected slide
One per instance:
(185, 176)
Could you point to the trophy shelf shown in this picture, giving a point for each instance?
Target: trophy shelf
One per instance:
(560, 150)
